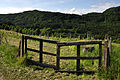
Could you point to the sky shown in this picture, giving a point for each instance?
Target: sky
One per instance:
(64, 6)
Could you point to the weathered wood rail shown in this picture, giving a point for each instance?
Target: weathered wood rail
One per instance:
(58, 57)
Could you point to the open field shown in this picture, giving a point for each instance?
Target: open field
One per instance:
(14, 68)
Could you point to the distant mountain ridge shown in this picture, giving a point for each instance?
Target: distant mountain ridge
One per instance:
(96, 24)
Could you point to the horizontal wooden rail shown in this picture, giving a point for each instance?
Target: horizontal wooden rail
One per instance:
(44, 40)
(80, 57)
(33, 50)
(49, 53)
(86, 72)
(40, 51)
(40, 64)
(79, 43)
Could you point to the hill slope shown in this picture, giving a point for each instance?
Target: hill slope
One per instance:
(39, 22)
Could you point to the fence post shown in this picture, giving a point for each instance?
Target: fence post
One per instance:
(100, 54)
(41, 50)
(78, 55)
(25, 46)
(79, 37)
(22, 46)
(106, 55)
(110, 45)
(58, 57)
(70, 36)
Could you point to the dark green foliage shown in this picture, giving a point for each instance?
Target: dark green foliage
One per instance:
(49, 23)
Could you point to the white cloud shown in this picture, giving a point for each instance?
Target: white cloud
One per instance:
(10, 10)
(102, 7)
(14, 10)
(93, 8)
(72, 10)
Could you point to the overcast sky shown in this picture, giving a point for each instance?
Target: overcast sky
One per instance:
(64, 6)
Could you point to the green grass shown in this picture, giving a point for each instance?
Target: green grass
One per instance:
(14, 68)
(8, 53)
(113, 72)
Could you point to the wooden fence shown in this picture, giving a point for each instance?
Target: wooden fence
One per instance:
(58, 57)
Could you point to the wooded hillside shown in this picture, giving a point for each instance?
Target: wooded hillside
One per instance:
(97, 25)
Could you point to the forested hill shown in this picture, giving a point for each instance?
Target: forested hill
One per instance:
(53, 23)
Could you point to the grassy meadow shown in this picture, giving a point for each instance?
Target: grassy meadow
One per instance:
(14, 68)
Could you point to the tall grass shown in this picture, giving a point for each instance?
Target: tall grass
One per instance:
(113, 72)
(8, 53)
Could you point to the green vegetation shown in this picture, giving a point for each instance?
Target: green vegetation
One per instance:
(97, 25)
(113, 72)
(15, 68)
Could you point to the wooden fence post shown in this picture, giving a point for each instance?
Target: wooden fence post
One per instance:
(110, 45)
(70, 36)
(106, 55)
(78, 55)
(41, 50)
(22, 46)
(58, 57)
(25, 46)
(100, 54)
(79, 37)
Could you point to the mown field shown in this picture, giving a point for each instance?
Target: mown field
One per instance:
(14, 68)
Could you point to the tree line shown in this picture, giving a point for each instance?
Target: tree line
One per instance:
(97, 25)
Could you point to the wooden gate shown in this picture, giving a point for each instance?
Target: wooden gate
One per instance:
(58, 57)
(78, 57)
